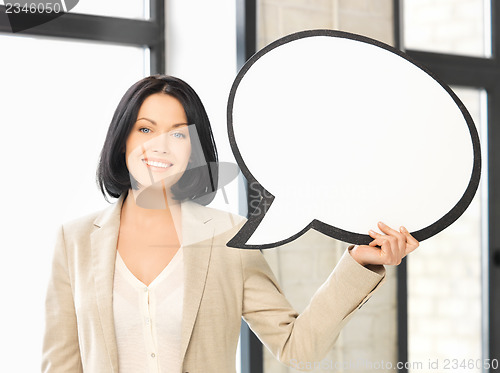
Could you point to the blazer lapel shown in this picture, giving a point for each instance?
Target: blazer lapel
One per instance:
(103, 246)
(197, 233)
(197, 236)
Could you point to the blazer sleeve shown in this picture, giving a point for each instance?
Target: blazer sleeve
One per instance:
(300, 340)
(61, 352)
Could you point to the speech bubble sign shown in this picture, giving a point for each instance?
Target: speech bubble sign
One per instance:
(339, 131)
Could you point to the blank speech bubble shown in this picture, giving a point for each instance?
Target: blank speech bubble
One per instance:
(338, 131)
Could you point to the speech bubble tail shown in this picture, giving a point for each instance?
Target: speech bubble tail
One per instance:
(272, 230)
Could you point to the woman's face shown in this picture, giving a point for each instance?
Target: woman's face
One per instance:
(158, 147)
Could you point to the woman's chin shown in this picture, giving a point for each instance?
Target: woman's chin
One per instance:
(157, 184)
(152, 197)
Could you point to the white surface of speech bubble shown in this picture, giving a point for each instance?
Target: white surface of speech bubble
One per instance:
(346, 131)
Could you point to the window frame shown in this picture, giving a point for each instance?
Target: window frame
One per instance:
(479, 73)
(252, 357)
(123, 31)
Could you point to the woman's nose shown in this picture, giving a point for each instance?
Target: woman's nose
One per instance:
(160, 144)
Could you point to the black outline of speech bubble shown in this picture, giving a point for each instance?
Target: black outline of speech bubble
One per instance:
(240, 239)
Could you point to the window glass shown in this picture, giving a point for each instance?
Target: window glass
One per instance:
(57, 100)
(444, 281)
(135, 9)
(189, 36)
(448, 26)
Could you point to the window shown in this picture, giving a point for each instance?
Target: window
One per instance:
(132, 9)
(457, 40)
(444, 278)
(459, 27)
(53, 132)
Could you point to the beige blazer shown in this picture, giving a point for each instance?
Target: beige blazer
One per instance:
(222, 285)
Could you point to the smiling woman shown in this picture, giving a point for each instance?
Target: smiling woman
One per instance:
(157, 116)
(149, 283)
(159, 147)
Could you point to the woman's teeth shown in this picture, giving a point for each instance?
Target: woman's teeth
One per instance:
(157, 164)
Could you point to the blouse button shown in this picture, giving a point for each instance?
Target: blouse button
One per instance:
(153, 354)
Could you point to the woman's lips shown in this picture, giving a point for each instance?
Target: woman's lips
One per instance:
(157, 165)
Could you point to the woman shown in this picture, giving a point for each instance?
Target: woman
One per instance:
(149, 284)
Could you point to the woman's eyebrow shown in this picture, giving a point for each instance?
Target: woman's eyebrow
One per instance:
(179, 125)
(149, 120)
(153, 122)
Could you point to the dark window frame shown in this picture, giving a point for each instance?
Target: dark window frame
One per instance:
(142, 33)
(479, 73)
(252, 357)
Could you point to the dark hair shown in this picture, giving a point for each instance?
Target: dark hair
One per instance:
(199, 181)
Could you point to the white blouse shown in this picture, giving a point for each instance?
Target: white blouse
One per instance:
(148, 318)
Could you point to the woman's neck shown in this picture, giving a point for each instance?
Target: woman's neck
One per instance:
(151, 208)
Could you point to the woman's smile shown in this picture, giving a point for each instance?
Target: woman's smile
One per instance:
(157, 165)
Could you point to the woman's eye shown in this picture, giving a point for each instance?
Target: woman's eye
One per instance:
(178, 135)
(144, 130)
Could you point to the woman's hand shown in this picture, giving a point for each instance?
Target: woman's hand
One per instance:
(389, 248)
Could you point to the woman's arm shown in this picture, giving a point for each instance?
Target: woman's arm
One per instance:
(61, 352)
(296, 340)
(300, 340)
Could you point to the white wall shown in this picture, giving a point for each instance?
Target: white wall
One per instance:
(57, 99)
(201, 49)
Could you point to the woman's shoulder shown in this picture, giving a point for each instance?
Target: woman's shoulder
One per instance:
(86, 223)
(79, 222)
(219, 218)
(201, 223)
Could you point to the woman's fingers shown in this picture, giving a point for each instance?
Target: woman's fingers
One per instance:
(393, 233)
(387, 230)
(365, 254)
(412, 242)
(403, 237)
(373, 235)
(386, 248)
(390, 247)
(379, 241)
